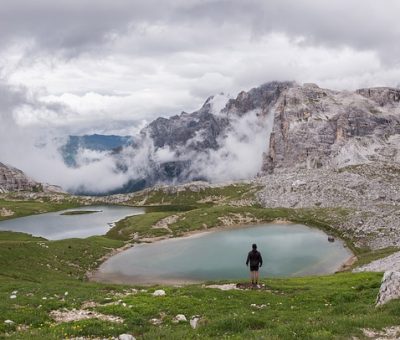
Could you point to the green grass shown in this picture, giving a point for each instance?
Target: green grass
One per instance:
(79, 212)
(327, 307)
(141, 224)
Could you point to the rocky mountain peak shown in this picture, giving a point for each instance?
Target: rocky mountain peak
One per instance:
(263, 97)
(12, 179)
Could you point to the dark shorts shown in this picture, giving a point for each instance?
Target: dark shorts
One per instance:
(254, 268)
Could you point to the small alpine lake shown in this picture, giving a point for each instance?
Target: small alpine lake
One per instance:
(78, 222)
(287, 250)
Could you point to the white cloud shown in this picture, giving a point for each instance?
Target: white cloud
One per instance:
(119, 86)
(128, 62)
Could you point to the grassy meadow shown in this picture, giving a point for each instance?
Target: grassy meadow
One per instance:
(39, 276)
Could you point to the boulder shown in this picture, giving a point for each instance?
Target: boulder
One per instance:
(179, 318)
(390, 288)
(194, 321)
(159, 292)
(126, 337)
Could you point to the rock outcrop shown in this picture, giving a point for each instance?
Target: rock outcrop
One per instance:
(387, 264)
(12, 179)
(390, 288)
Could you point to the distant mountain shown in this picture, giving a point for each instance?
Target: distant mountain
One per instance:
(94, 142)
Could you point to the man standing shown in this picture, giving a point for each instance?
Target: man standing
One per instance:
(255, 260)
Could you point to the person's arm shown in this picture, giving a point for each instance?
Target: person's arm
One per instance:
(261, 260)
(248, 259)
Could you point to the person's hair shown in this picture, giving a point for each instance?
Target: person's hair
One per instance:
(254, 246)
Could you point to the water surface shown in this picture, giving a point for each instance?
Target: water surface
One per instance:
(287, 250)
(55, 226)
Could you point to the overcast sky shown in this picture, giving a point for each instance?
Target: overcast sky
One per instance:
(82, 63)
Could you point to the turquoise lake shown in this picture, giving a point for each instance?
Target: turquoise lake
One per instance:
(55, 226)
(287, 250)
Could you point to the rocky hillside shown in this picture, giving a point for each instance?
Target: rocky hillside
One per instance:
(12, 179)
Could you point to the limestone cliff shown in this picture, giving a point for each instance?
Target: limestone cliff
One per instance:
(316, 127)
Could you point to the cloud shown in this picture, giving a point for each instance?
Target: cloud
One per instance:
(79, 25)
(139, 60)
(240, 154)
(85, 66)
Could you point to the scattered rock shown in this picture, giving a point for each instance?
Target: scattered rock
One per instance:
(179, 318)
(22, 328)
(13, 296)
(388, 333)
(194, 321)
(126, 337)
(164, 223)
(159, 292)
(258, 306)
(155, 322)
(390, 288)
(75, 315)
(9, 322)
(89, 304)
(6, 212)
(248, 285)
(227, 286)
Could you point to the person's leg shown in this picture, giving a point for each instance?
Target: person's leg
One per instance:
(252, 276)
(256, 277)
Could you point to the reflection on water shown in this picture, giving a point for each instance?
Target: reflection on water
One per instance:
(288, 250)
(55, 226)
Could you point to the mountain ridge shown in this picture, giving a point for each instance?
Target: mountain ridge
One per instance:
(304, 126)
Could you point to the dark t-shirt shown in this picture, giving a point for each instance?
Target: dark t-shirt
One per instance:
(254, 258)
